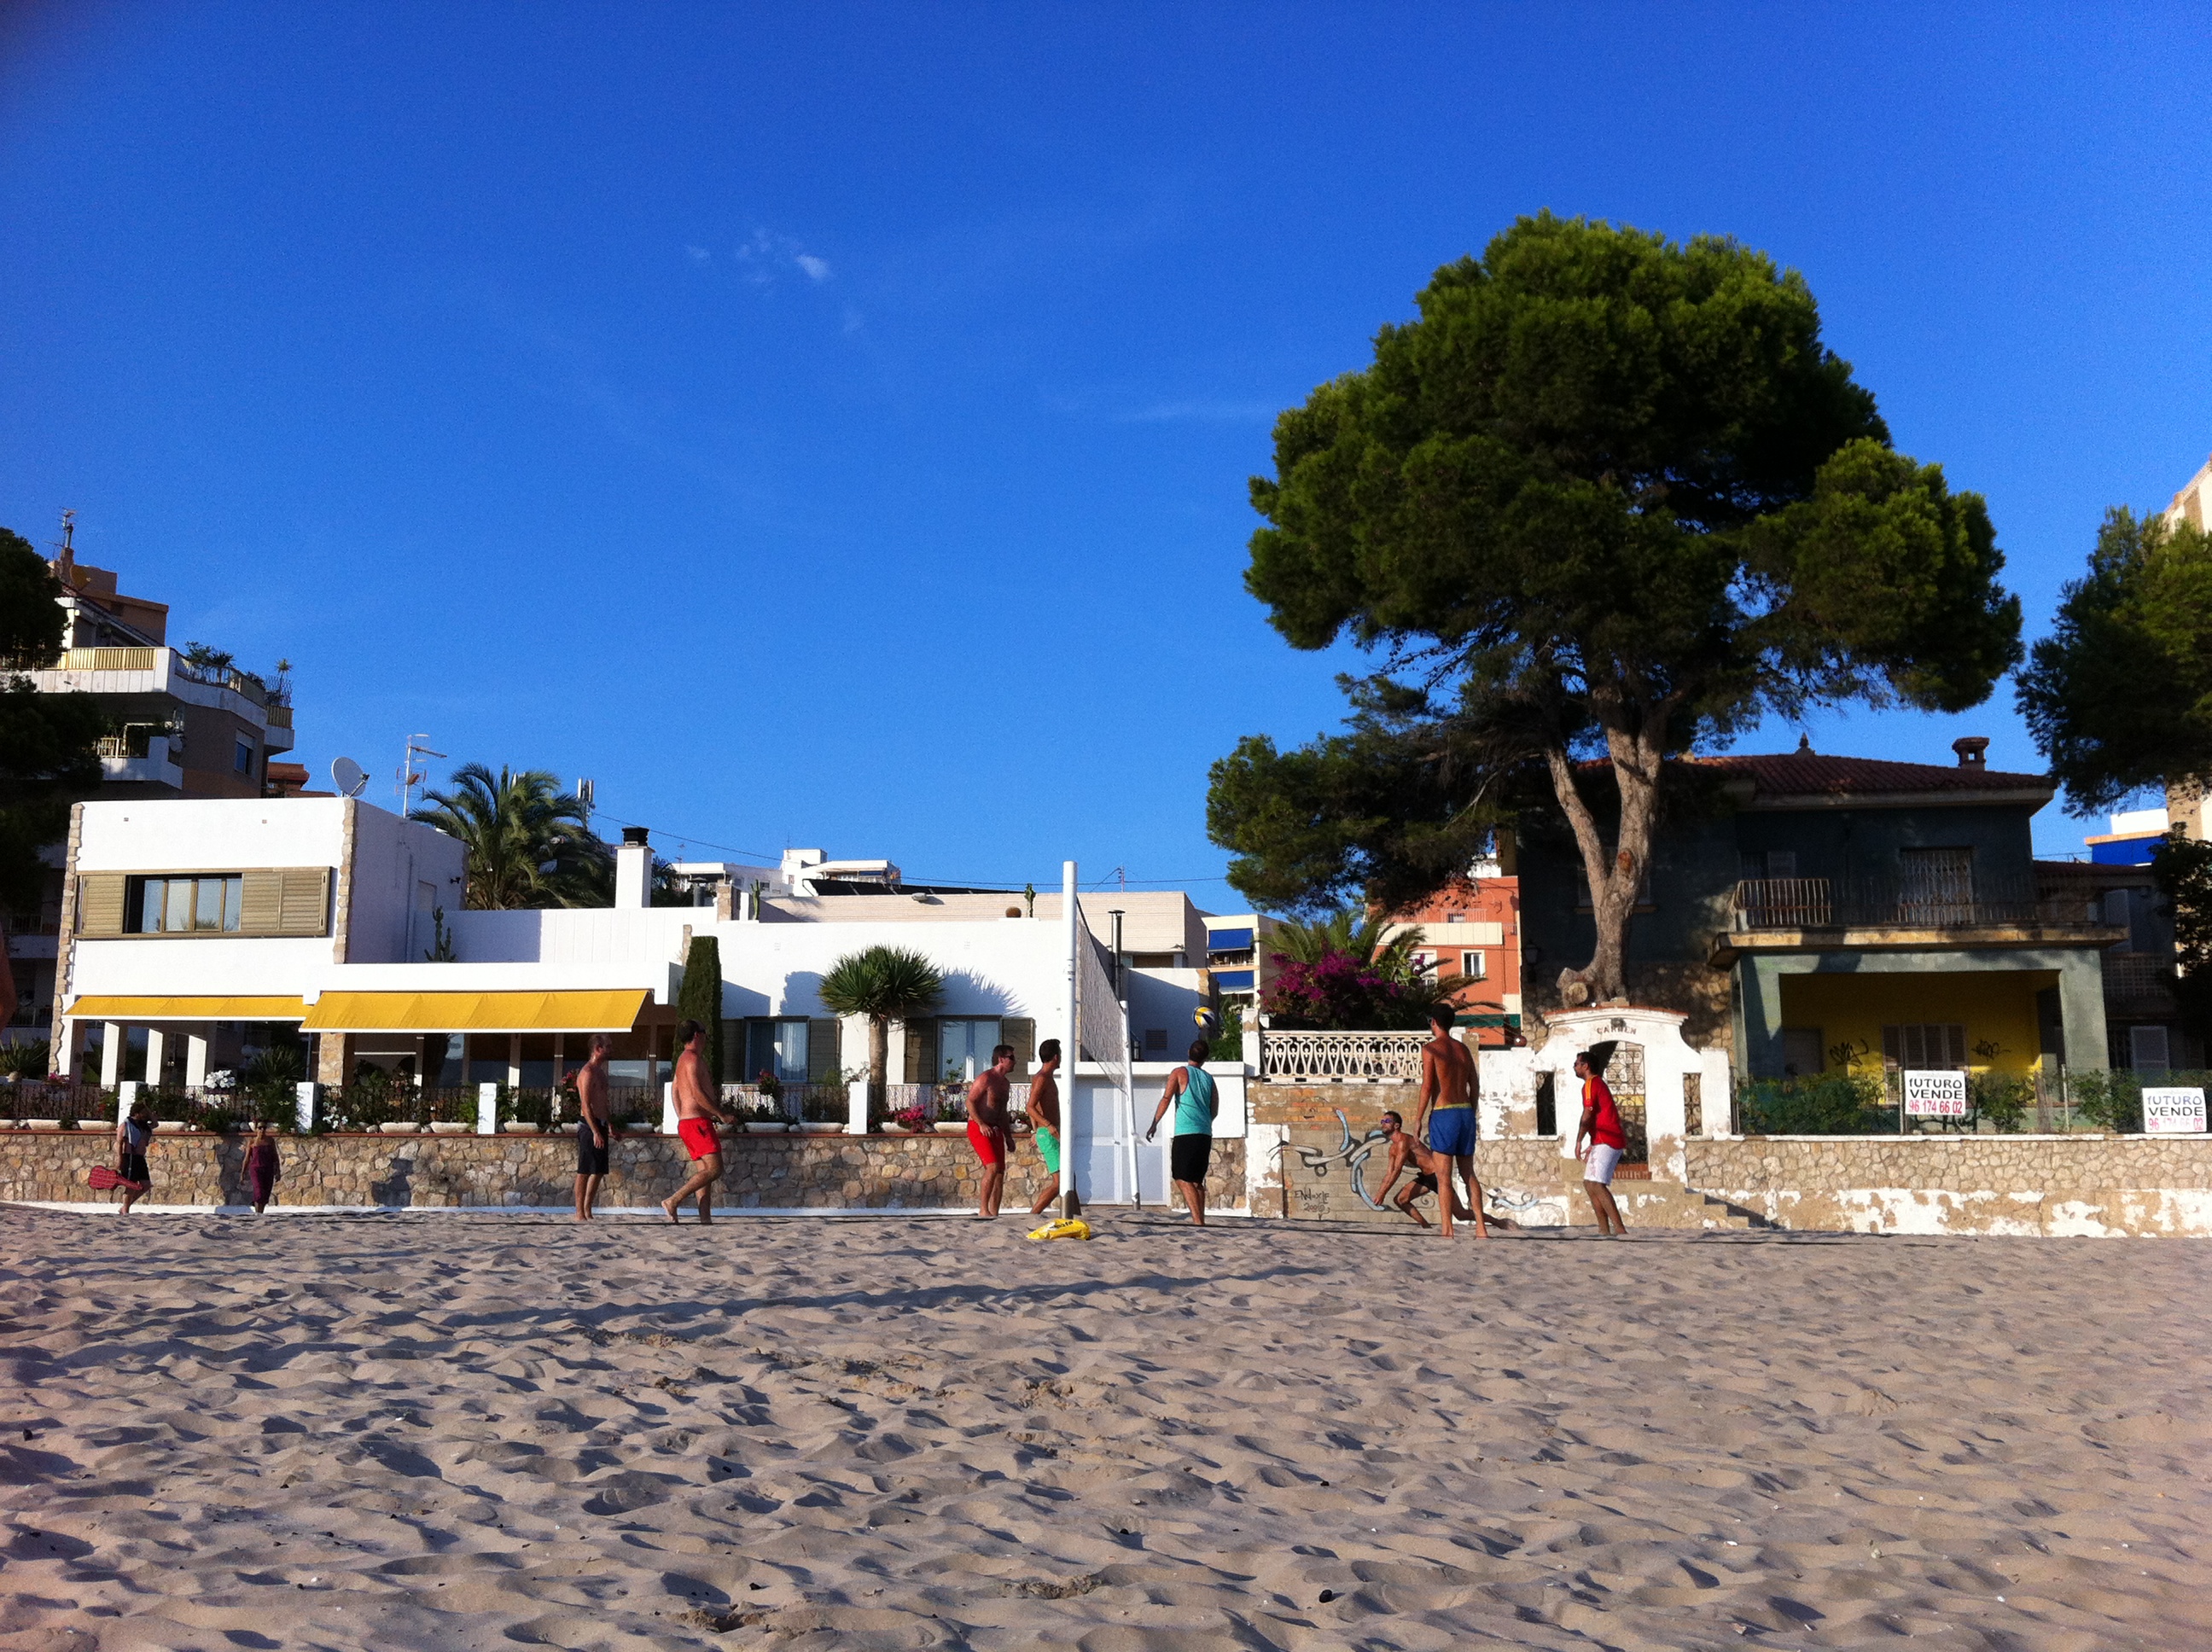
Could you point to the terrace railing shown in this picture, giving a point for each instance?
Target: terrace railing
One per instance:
(1340, 1058)
(1771, 903)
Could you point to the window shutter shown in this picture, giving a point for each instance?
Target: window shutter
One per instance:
(1020, 1031)
(305, 901)
(261, 903)
(922, 1052)
(100, 897)
(823, 1057)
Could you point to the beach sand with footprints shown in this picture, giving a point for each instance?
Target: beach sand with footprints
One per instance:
(452, 1431)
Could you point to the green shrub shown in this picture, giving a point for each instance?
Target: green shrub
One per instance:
(1832, 1104)
(2109, 1101)
(700, 997)
(2002, 1098)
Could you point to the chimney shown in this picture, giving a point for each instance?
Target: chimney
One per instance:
(634, 868)
(1972, 749)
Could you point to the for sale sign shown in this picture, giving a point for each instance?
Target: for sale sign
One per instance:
(2174, 1110)
(1935, 1095)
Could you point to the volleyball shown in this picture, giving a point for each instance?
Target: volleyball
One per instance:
(1208, 1023)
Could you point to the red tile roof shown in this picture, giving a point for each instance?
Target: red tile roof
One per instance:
(1812, 773)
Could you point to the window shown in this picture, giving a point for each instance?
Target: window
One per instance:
(1476, 966)
(1156, 1041)
(2147, 1049)
(242, 759)
(964, 1048)
(176, 906)
(1939, 886)
(1922, 1044)
(776, 1047)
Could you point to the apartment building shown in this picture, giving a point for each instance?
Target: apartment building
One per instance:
(186, 724)
(1472, 928)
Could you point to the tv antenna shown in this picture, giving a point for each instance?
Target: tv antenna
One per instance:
(585, 797)
(409, 778)
(352, 779)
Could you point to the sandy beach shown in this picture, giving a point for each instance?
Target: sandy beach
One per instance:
(446, 1431)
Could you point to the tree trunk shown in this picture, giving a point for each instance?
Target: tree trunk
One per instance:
(879, 1054)
(1616, 872)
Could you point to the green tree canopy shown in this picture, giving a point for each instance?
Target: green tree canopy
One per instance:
(885, 984)
(530, 844)
(2119, 696)
(49, 755)
(1606, 497)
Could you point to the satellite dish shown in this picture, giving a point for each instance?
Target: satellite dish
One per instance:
(350, 777)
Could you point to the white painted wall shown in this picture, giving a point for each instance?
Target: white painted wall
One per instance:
(211, 834)
(391, 858)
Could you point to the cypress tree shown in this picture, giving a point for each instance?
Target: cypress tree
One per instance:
(700, 997)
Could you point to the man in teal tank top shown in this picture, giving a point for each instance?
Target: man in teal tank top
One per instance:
(1190, 1091)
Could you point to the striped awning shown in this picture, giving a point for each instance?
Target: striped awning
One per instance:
(113, 1007)
(614, 1009)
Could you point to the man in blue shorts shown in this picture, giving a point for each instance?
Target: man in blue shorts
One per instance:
(1448, 1088)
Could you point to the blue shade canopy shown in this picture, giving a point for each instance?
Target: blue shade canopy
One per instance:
(1233, 981)
(1228, 940)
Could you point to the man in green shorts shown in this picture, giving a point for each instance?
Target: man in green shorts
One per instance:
(1044, 1114)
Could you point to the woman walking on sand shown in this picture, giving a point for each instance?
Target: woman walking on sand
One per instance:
(261, 1166)
(133, 1136)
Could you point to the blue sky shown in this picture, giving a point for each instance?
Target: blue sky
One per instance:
(829, 425)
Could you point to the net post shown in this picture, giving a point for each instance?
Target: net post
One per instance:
(1071, 1048)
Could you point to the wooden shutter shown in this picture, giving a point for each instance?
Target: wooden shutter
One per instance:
(99, 900)
(922, 1052)
(261, 903)
(824, 1058)
(306, 901)
(1020, 1031)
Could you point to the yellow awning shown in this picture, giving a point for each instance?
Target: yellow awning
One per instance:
(615, 1011)
(112, 1008)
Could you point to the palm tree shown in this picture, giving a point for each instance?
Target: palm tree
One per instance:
(530, 843)
(885, 984)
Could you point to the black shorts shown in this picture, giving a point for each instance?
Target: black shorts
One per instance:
(1188, 1156)
(1424, 1183)
(591, 1157)
(133, 1168)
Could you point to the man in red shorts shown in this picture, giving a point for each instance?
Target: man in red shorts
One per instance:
(697, 1114)
(990, 1129)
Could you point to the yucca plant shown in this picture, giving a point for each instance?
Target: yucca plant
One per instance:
(885, 984)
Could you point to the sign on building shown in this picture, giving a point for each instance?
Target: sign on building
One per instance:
(1936, 1094)
(2174, 1110)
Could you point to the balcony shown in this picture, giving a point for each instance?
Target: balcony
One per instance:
(2137, 978)
(1831, 914)
(164, 670)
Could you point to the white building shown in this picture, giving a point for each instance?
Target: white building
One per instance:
(195, 931)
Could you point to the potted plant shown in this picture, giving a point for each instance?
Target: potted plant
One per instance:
(825, 1108)
(953, 1100)
(915, 1120)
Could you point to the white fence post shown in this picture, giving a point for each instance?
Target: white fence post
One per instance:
(126, 1097)
(487, 1109)
(305, 1094)
(856, 1108)
(668, 1107)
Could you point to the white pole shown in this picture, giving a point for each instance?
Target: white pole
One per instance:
(303, 1094)
(487, 1109)
(1072, 1047)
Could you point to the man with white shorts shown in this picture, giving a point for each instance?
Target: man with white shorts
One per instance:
(1600, 1129)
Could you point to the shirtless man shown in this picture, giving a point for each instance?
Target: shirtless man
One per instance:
(1405, 1151)
(1044, 1113)
(697, 1113)
(990, 1130)
(1449, 1087)
(592, 1127)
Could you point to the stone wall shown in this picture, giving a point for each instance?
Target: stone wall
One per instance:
(925, 1172)
(1296, 1126)
(2059, 1185)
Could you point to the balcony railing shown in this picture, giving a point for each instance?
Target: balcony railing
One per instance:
(147, 660)
(1771, 903)
(2136, 977)
(1340, 1058)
